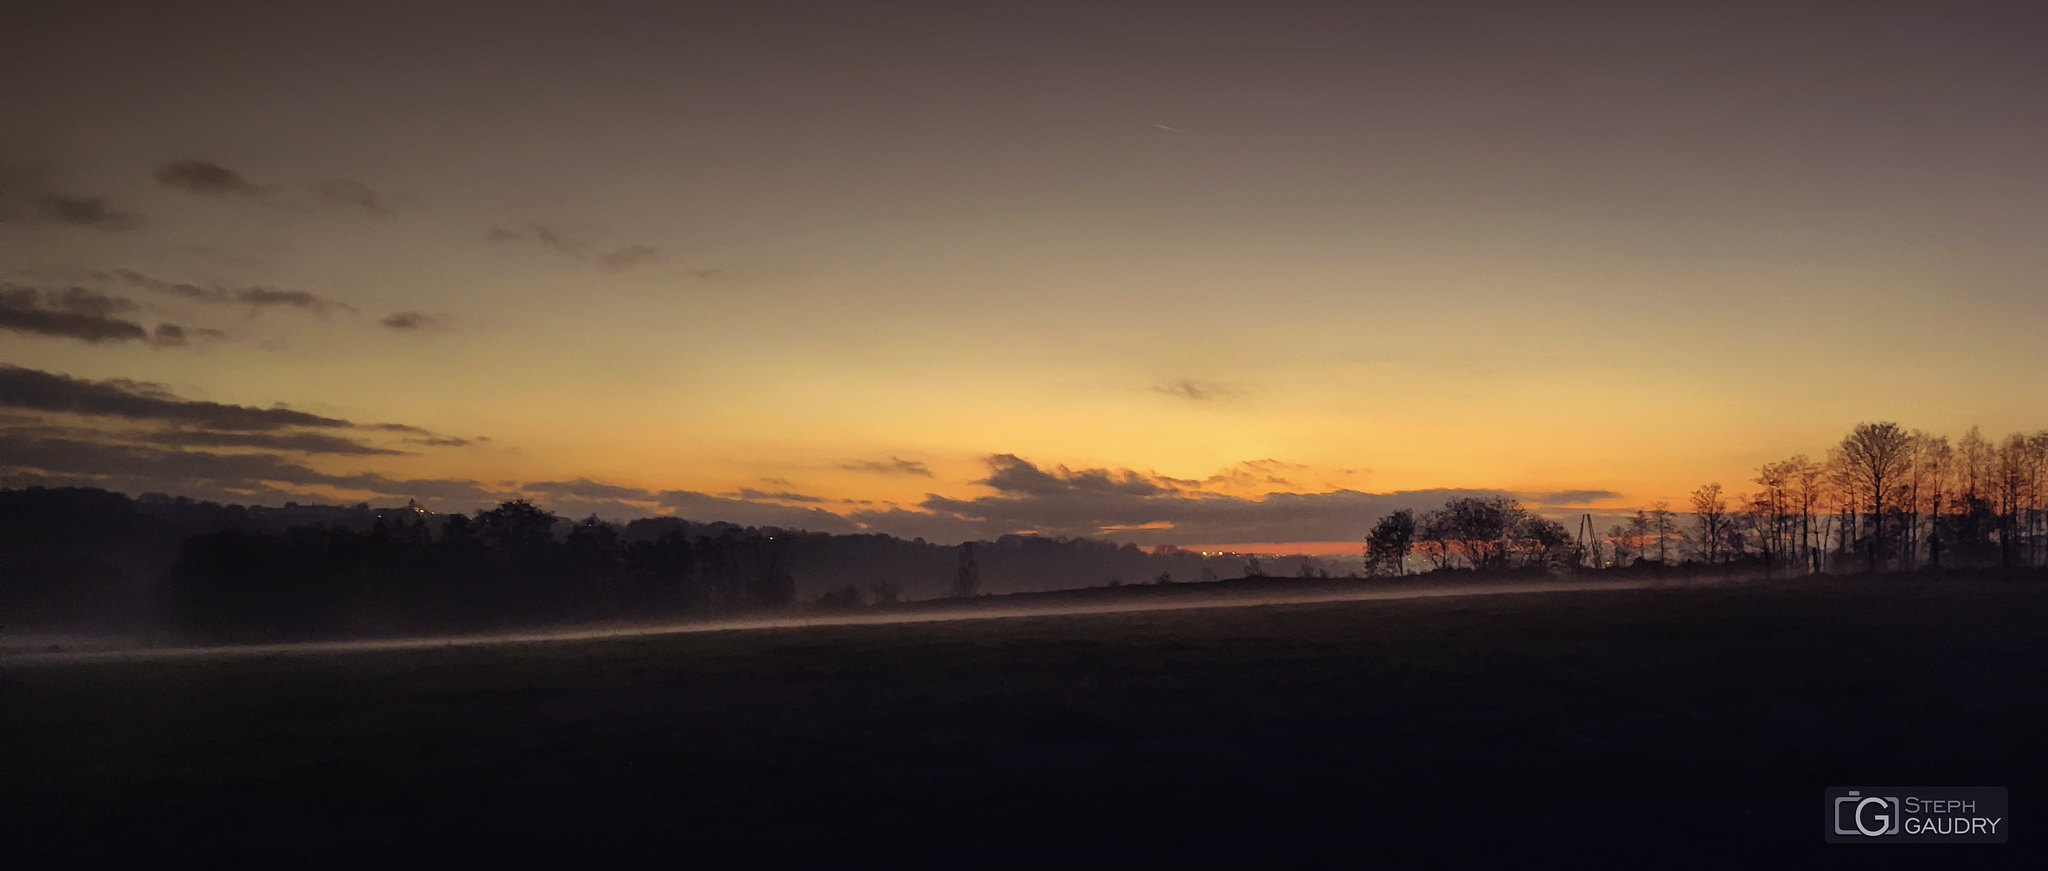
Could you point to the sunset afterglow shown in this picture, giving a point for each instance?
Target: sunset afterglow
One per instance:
(847, 269)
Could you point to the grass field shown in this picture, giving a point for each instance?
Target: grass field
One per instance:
(1696, 726)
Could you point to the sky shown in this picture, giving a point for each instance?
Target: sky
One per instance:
(1179, 273)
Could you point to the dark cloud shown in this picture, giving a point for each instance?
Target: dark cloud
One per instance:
(434, 491)
(1199, 391)
(256, 297)
(74, 314)
(1012, 474)
(1570, 497)
(777, 496)
(174, 336)
(629, 257)
(1263, 474)
(75, 456)
(289, 442)
(705, 508)
(189, 291)
(261, 297)
(414, 322)
(93, 212)
(78, 300)
(540, 235)
(708, 274)
(264, 445)
(140, 468)
(354, 195)
(242, 492)
(607, 509)
(399, 427)
(894, 466)
(566, 245)
(930, 526)
(1114, 503)
(205, 177)
(584, 488)
(35, 390)
(294, 442)
(447, 441)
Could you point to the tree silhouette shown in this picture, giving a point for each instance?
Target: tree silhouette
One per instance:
(1550, 546)
(1872, 464)
(516, 526)
(1662, 524)
(1481, 529)
(1388, 544)
(1710, 522)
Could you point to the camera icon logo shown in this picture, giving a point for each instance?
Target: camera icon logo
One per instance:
(1868, 815)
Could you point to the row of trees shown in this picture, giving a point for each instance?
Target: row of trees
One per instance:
(1884, 498)
(503, 567)
(85, 559)
(1484, 534)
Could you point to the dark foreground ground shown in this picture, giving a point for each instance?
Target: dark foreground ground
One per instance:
(1689, 726)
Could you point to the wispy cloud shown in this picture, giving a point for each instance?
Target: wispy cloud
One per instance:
(295, 442)
(774, 496)
(255, 297)
(1570, 497)
(1199, 391)
(569, 245)
(892, 466)
(36, 390)
(629, 257)
(448, 441)
(84, 315)
(542, 235)
(135, 468)
(205, 177)
(94, 212)
(354, 195)
(415, 322)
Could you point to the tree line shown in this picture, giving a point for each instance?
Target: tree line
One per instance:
(1885, 498)
(77, 558)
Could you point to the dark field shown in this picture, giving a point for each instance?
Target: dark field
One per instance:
(1691, 726)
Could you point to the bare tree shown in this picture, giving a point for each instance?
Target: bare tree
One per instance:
(1387, 546)
(1639, 528)
(1770, 513)
(1435, 539)
(1809, 483)
(2037, 525)
(1662, 523)
(1874, 461)
(1974, 458)
(1710, 522)
(1624, 553)
(1936, 475)
(2014, 474)
(1759, 524)
(1545, 543)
